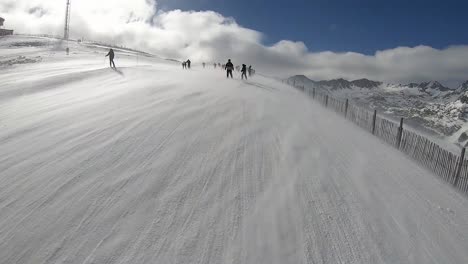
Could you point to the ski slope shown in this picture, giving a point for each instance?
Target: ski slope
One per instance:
(154, 164)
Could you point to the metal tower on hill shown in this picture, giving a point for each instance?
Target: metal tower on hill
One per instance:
(66, 32)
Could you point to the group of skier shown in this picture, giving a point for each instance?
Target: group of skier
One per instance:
(186, 64)
(228, 67)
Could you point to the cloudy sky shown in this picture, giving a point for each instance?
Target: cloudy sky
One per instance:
(393, 41)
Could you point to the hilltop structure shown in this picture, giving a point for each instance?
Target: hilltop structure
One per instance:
(4, 32)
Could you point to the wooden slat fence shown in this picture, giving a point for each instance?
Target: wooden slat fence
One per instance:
(447, 165)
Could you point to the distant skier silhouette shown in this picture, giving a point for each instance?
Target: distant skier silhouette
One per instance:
(188, 63)
(244, 71)
(184, 65)
(229, 67)
(250, 71)
(111, 58)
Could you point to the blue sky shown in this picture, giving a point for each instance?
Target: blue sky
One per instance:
(363, 26)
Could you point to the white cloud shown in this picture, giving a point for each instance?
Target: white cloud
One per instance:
(209, 36)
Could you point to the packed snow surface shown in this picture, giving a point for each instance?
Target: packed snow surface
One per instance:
(155, 164)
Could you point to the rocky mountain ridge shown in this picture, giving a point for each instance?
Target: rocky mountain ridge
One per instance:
(431, 105)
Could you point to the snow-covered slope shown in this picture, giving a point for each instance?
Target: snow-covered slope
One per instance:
(153, 164)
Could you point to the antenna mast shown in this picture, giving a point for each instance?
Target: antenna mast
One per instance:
(66, 32)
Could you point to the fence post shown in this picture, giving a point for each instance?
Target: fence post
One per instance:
(346, 108)
(373, 122)
(459, 167)
(400, 133)
(326, 101)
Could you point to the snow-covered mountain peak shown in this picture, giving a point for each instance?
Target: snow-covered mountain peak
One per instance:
(336, 84)
(433, 85)
(366, 83)
(463, 87)
(432, 88)
(300, 77)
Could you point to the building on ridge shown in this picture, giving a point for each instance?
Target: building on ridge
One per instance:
(4, 32)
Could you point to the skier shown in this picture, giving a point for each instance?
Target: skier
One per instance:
(215, 65)
(250, 71)
(183, 65)
(203, 65)
(111, 57)
(188, 63)
(229, 67)
(244, 71)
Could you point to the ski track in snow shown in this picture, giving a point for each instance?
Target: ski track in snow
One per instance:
(153, 164)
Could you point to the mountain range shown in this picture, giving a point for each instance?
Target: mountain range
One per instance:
(436, 109)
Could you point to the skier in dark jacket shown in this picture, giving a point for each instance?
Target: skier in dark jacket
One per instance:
(111, 57)
(244, 71)
(229, 67)
(188, 63)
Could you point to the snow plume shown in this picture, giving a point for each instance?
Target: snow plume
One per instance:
(209, 36)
